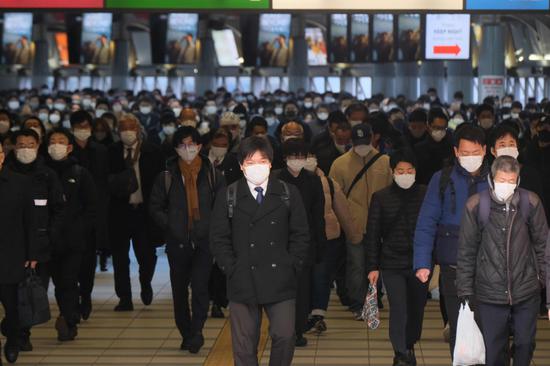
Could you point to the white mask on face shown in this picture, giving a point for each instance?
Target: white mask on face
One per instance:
(257, 174)
(57, 151)
(82, 134)
(38, 130)
(508, 151)
(355, 123)
(486, 123)
(218, 152)
(438, 135)
(404, 181)
(117, 108)
(311, 164)
(100, 112)
(278, 110)
(55, 118)
(43, 117)
(210, 109)
(145, 109)
(128, 138)
(503, 191)
(188, 153)
(514, 115)
(296, 165)
(13, 104)
(340, 148)
(362, 150)
(471, 163)
(4, 126)
(169, 130)
(59, 106)
(177, 111)
(66, 124)
(322, 116)
(271, 121)
(26, 156)
(308, 105)
(507, 105)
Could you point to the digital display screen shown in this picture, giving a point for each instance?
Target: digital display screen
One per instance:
(414, 5)
(226, 48)
(316, 47)
(383, 39)
(447, 36)
(274, 40)
(360, 38)
(62, 47)
(409, 31)
(17, 47)
(51, 4)
(96, 38)
(507, 4)
(181, 39)
(339, 46)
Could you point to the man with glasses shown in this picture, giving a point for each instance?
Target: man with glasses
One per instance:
(181, 204)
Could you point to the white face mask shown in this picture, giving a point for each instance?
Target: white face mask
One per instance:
(38, 131)
(176, 111)
(117, 108)
(26, 156)
(271, 121)
(59, 106)
(340, 148)
(514, 115)
(43, 117)
(404, 181)
(188, 153)
(311, 164)
(210, 109)
(471, 163)
(507, 105)
(486, 123)
(278, 110)
(508, 151)
(296, 165)
(218, 152)
(503, 191)
(66, 124)
(57, 151)
(308, 105)
(169, 130)
(145, 109)
(438, 135)
(55, 118)
(82, 134)
(204, 128)
(362, 150)
(257, 174)
(4, 126)
(355, 123)
(128, 138)
(13, 104)
(100, 112)
(322, 116)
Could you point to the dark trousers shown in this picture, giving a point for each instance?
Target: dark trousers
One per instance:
(496, 322)
(190, 266)
(452, 304)
(407, 297)
(217, 287)
(246, 321)
(86, 274)
(10, 324)
(132, 227)
(323, 274)
(303, 299)
(64, 268)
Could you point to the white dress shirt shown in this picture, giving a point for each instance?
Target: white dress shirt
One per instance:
(251, 186)
(136, 198)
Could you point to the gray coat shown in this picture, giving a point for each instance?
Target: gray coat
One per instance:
(262, 247)
(503, 262)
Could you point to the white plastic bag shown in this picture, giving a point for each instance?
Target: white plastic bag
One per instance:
(469, 347)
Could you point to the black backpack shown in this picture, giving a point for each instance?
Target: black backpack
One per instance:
(485, 207)
(232, 197)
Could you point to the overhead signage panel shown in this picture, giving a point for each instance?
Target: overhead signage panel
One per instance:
(51, 4)
(368, 5)
(447, 36)
(507, 4)
(186, 4)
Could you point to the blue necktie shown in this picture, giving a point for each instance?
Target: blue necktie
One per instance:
(260, 196)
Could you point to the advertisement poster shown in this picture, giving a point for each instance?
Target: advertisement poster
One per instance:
(409, 30)
(339, 46)
(274, 40)
(507, 4)
(17, 47)
(225, 45)
(62, 47)
(383, 39)
(447, 36)
(360, 38)
(96, 38)
(181, 39)
(316, 47)
(491, 86)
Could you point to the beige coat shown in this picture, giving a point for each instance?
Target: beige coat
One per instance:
(379, 176)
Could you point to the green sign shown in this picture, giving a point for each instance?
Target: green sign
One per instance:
(187, 4)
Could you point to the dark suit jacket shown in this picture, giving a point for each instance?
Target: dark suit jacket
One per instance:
(263, 246)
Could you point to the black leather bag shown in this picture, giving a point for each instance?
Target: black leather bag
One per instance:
(124, 183)
(33, 304)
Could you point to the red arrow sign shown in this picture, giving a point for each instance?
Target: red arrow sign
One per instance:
(447, 50)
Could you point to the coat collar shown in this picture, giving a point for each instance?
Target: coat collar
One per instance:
(272, 200)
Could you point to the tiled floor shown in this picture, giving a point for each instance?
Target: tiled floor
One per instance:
(148, 336)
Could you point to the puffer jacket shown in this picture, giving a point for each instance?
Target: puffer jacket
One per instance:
(502, 262)
(390, 231)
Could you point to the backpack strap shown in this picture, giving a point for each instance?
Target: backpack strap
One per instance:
(484, 209)
(363, 171)
(524, 205)
(167, 182)
(231, 197)
(445, 181)
(286, 194)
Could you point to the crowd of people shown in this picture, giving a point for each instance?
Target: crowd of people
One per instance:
(266, 203)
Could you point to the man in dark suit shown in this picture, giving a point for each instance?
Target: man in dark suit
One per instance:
(17, 246)
(134, 166)
(94, 157)
(259, 236)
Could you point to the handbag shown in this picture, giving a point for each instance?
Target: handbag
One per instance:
(469, 347)
(370, 311)
(33, 304)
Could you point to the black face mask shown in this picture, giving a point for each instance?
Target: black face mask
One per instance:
(544, 136)
(291, 114)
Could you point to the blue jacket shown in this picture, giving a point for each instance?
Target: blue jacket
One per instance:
(438, 222)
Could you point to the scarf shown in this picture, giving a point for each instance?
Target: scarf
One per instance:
(190, 174)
